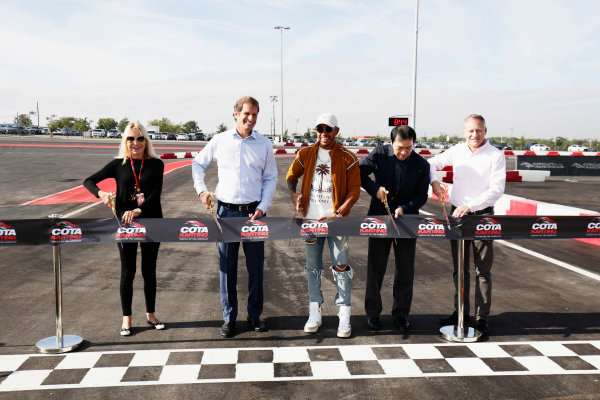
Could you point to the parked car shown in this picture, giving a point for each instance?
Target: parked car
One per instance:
(502, 146)
(182, 136)
(171, 136)
(154, 135)
(63, 132)
(98, 133)
(539, 147)
(349, 142)
(163, 136)
(113, 133)
(200, 136)
(34, 130)
(577, 147)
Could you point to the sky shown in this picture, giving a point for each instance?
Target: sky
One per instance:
(531, 68)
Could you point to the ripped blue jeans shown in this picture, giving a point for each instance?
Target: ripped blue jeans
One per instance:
(339, 249)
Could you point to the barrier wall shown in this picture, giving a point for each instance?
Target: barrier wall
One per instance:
(561, 165)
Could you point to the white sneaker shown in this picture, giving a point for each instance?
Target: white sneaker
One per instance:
(314, 318)
(344, 328)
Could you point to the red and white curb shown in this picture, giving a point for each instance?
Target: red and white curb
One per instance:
(511, 176)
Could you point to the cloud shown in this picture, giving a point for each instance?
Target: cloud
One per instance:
(520, 64)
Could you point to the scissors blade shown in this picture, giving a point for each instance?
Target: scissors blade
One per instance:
(294, 218)
(442, 201)
(114, 210)
(387, 208)
(212, 214)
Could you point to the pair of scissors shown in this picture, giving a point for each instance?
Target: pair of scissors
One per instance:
(387, 207)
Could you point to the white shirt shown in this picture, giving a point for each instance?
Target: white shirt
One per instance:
(320, 202)
(479, 176)
(246, 168)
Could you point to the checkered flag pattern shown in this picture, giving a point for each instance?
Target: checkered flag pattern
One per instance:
(156, 367)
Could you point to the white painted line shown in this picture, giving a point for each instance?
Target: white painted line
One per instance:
(487, 350)
(12, 362)
(254, 371)
(469, 366)
(79, 360)
(329, 369)
(562, 264)
(150, 358)
(220, 356)
(290, 354)
(82, 209)
(104, 376)
(179, 374)
(553, 349)
(400, 368)
(357, 353)
(422, 351)
(539, 365)
(25, 379)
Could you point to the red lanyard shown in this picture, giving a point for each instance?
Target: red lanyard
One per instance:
(136, 177)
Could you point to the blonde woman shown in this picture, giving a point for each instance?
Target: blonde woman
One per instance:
(139, 176)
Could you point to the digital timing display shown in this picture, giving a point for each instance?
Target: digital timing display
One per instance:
(395, 121)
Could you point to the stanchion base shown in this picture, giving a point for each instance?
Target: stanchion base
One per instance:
(453, 333)
(48, 345)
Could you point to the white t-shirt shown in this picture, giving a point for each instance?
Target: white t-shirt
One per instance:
(320, 202)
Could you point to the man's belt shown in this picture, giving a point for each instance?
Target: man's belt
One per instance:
(239, 207)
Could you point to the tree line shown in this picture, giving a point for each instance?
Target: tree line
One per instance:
(84, 125)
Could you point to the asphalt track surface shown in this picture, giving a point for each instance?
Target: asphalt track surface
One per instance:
(545, 322)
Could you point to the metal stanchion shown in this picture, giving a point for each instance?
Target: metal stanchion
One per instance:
(460, 333)
(59, 343)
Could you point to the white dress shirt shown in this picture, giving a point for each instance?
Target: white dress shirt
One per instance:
(246, 168)
(479, 176)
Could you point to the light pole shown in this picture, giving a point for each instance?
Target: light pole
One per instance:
(281, 28)
(273, 101)
(414, 98)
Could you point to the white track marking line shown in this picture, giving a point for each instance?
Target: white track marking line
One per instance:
(551, 260)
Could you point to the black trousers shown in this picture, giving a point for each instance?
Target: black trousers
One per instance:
(377, 258)
(128, 252)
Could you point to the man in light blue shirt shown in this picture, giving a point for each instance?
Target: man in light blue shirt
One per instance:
(247, 180)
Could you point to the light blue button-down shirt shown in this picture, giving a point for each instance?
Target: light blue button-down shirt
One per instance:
(246, 168)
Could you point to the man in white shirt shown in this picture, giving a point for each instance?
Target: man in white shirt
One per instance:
(479, 179)
(330, 187)
(247, 181)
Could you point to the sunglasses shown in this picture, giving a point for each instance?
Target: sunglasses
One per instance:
(140, 139)
(327, 129)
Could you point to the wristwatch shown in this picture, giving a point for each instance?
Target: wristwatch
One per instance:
(337, 214)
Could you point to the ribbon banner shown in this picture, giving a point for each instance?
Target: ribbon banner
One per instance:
(89, 231)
